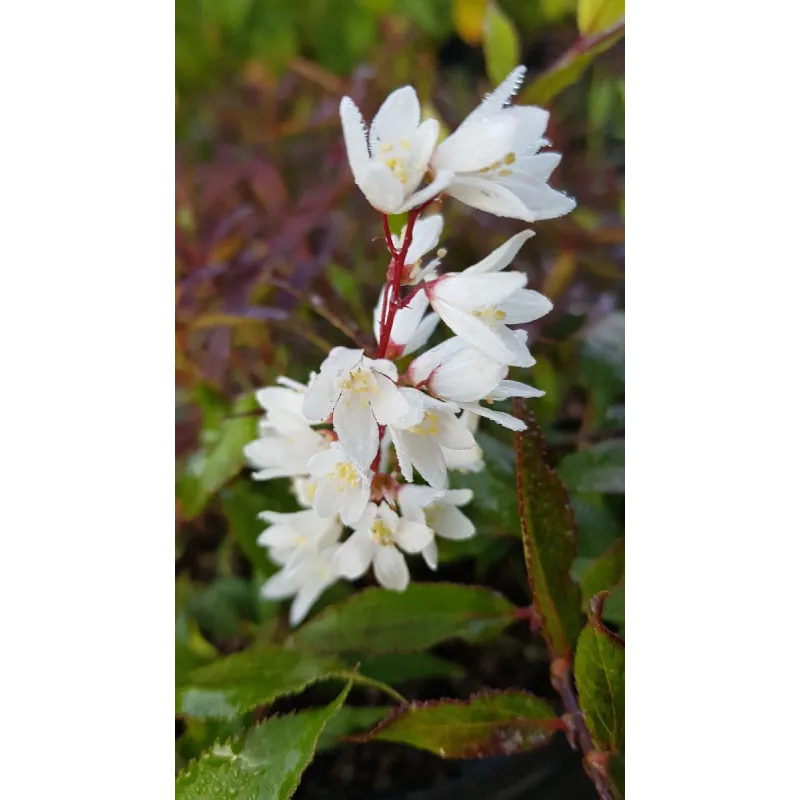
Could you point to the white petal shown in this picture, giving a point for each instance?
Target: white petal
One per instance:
(308, 595)
(477, 333)
(466, 376)
(477, 291)
(431, 555)
(403, 456)
(407, 319)
(521, 356)
(356, 428)
(426, 236)
(501, 257)
(493, 103)
(423, 332)
(451, 523)
(506, 420)
(327, 499)
(353, 558)
(384, 366)
(537, 168)
(488, 195)
(282, 584)
(391, 570)
(413, 497)
(423, 365)
(437, 185)
(397, 117)
(506, 389)
(525, 305)
(532, 123)
(356, 500)
(377, 315)
(412, 536)
(381, 188)
(321, 398)
(426, 455)
(476, 145)
(341, 358)
(453, 432)
(389, 405)
(355, 138)
(457, 497)
(416, 408)
(422, 146)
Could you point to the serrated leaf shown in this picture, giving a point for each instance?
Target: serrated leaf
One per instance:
(600, 679)
(350, 721)
(569, 68)
(548, 536)
(380, 621)
(240, 682)
(491, 723)
(269, 764)
(596, 15)
(599, 468)
(501, 47)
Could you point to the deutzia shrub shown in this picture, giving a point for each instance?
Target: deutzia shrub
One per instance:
(369, 448)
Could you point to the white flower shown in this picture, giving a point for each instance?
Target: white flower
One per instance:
(411, 329)
(457, 372)
(480, 302)
(305, 577)
(388, 169)
(287, 440)
(470, 460)
(439, 511)
(340, 485)
(290, 534)
(426, 236)
(360, 393)
(419, 442)
(493, 156)
(375, 540)
(303, 489)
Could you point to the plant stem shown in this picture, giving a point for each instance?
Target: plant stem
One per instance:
(561, 677)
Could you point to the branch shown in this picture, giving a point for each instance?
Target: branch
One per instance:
(578, 734)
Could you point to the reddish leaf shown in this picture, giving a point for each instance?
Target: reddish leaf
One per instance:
(548, 536)
(490, 723)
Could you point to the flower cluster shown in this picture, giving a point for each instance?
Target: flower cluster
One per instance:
(354, 437)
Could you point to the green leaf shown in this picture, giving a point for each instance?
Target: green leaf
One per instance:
(604, 572)
(242, 502)
(243, 681)
(596, 15)
(395, 668)
(495, 497)
(380, 621)
(598, 526)
(569, 68)
(501, 47)
(351, 720)
(491, 723)
(548, 536)
(600, 679)
(222, 456)
(616, 775)
(269, 764)
(599, 468)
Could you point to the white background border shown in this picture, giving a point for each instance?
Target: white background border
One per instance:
(713, 218)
